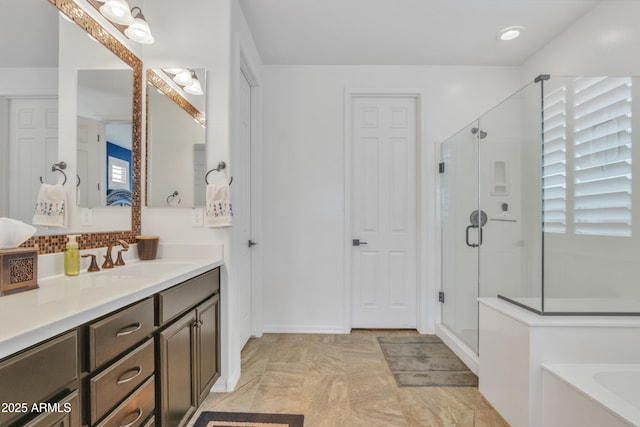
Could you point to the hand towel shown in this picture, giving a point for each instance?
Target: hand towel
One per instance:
(51, 206)
(218, 212)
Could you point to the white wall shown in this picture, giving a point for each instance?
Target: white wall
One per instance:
(206, 38)
(603, 42)
(303, 177)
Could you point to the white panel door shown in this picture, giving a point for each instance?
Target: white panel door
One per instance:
(33, 149)
(384, 212)
(90, 134)
(242, 211)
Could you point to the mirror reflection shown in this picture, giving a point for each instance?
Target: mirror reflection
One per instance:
(50, 82)
(176, 160)
(28, 105)
(104, 138)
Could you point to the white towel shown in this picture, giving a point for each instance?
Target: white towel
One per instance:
(51, 206)
(218, 213)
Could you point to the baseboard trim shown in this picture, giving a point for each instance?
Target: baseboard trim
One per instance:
(228, 385)
(468, 356)
(287, 329)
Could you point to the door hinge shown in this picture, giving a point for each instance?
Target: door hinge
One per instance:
(441, 297)
(441, 167)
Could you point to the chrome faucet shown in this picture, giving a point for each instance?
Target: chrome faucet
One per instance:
(108, 261)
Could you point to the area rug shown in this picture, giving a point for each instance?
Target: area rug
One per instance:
(246, 419)
(424, 361)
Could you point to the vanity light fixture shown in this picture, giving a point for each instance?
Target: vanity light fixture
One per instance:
(183, 77)
(130, 21)
(139, 30)
(194, 88)
(510, 33)
(187, 79)
(117, 11)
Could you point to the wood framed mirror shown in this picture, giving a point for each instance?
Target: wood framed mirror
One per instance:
(176, 140)
(52, 243)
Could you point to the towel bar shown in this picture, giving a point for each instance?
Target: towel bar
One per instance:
(60, 168)
(221, 166)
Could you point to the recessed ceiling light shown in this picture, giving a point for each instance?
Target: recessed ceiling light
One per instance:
(510, 33)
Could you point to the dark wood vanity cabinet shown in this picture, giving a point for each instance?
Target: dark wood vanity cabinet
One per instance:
(177, 366)
(119, 384)
(208, 345)
(188, 346)
(38, 387)
(150, 363)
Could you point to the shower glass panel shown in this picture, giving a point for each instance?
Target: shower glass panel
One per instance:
(591, 234)
(551, 170)
(459, 200)
(509, 192)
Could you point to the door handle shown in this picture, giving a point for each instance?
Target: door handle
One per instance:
(251, 243)
(473, 245)
(358, 242)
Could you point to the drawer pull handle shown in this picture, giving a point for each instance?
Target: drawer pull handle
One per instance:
(137, 371)
(139, 411)
(127, 330)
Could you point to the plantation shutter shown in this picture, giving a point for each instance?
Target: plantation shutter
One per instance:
(554, 162)
(602, 156)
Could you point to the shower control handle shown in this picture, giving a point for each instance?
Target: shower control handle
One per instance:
(473, 245)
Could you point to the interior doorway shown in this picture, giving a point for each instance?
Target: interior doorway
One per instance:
(383, 219)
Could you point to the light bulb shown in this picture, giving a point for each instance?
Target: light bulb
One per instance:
(117, 11)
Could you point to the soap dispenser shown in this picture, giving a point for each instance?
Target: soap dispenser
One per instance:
(72, 257)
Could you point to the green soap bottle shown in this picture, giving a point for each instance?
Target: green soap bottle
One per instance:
(72, 257)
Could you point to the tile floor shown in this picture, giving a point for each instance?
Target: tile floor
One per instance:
(343, 381)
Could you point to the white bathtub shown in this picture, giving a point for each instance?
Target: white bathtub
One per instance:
(591, 395)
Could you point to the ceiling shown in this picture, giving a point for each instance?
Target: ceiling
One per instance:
(405, 32)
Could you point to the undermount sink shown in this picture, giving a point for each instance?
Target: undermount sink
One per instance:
(147, 268)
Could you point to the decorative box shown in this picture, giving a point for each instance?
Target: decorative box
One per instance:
(18, 270)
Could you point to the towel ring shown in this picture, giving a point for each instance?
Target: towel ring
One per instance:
(221, 166)
(58, 167)
(172, 196)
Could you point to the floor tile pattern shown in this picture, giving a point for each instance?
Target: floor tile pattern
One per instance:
(343, 381)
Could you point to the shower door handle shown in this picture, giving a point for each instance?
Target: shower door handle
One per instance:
(473, 245)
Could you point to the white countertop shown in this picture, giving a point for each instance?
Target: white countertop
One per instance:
(532, 319)
(63, 303)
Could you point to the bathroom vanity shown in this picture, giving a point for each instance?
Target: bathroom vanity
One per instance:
(138, 345)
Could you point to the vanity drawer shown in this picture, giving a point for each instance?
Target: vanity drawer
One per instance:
(117, 381)
(68, 414)
(38, 374)
(111, 336)
(134, 411)
(184, 296)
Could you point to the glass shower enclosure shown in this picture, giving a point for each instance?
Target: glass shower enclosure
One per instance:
(536, 204)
